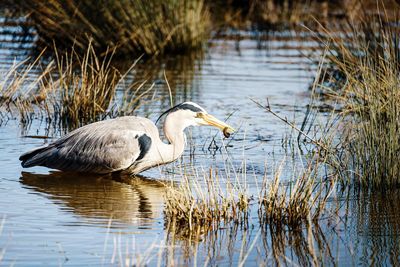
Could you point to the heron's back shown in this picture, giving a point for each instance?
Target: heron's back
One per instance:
(100, 147)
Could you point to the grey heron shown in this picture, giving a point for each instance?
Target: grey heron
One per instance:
(129, 144)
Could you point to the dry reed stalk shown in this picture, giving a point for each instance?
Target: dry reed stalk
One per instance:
(293, 204)
(192, 204)
(83, 94)
(18, 89)
(70, 91)
(365, 81)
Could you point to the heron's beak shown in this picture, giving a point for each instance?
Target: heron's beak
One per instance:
(212, 121)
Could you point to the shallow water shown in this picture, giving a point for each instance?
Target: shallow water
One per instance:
(51, 218)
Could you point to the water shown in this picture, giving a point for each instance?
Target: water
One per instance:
(50, 218)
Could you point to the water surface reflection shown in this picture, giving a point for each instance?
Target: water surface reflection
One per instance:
(127, 200)
(378, 227)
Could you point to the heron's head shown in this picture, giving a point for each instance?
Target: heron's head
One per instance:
(191, 114)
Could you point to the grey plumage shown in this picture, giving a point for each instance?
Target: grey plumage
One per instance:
(100, 147)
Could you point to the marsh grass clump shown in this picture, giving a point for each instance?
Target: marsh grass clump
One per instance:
(130, 26)
(374, 141)
(199, 204)
(18, 90)
(204, 211)
(368, 61)
(192, 204)
(84, 87)
(293, 204)
(69, 91)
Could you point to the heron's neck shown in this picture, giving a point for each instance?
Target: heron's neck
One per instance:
(177, 140)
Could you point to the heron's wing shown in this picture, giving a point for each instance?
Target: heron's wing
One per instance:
(99, 147)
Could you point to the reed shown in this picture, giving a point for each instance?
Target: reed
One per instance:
(84, 92)
(199, 203)
(130, 26)
(365, 67)
(193, 204)
(211, 211)
(291, 205)
(18, 90)
(69, 91)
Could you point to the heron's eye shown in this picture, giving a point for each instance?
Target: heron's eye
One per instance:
(200, 115)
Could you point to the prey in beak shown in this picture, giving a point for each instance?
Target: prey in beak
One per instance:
(207, 119)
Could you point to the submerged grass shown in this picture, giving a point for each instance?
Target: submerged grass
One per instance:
(131, 26)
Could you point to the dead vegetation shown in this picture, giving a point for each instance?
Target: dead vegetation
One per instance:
(305, 197)
(128, 26)
(68, 91)
(209, 199)
(362, 76)
(206, 200)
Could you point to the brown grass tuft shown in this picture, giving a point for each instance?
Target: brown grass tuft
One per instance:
(192, 204)
(68, 92)
(130, 26)
(364, 68)
(293, 204)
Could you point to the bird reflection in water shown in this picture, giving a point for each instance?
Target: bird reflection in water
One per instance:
(97, 199)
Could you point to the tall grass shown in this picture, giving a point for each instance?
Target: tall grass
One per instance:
(294, 204)
(132, 26)
(365, 81)
(86, 92)
(18, 90)
(212, 199)
(217, 199)
(68, 91)
(206, 206)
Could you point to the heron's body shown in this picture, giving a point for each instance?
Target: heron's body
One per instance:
(128, 143)
(101, 147)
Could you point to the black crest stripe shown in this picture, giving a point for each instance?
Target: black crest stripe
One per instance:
(183, 106)
(186, 106)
